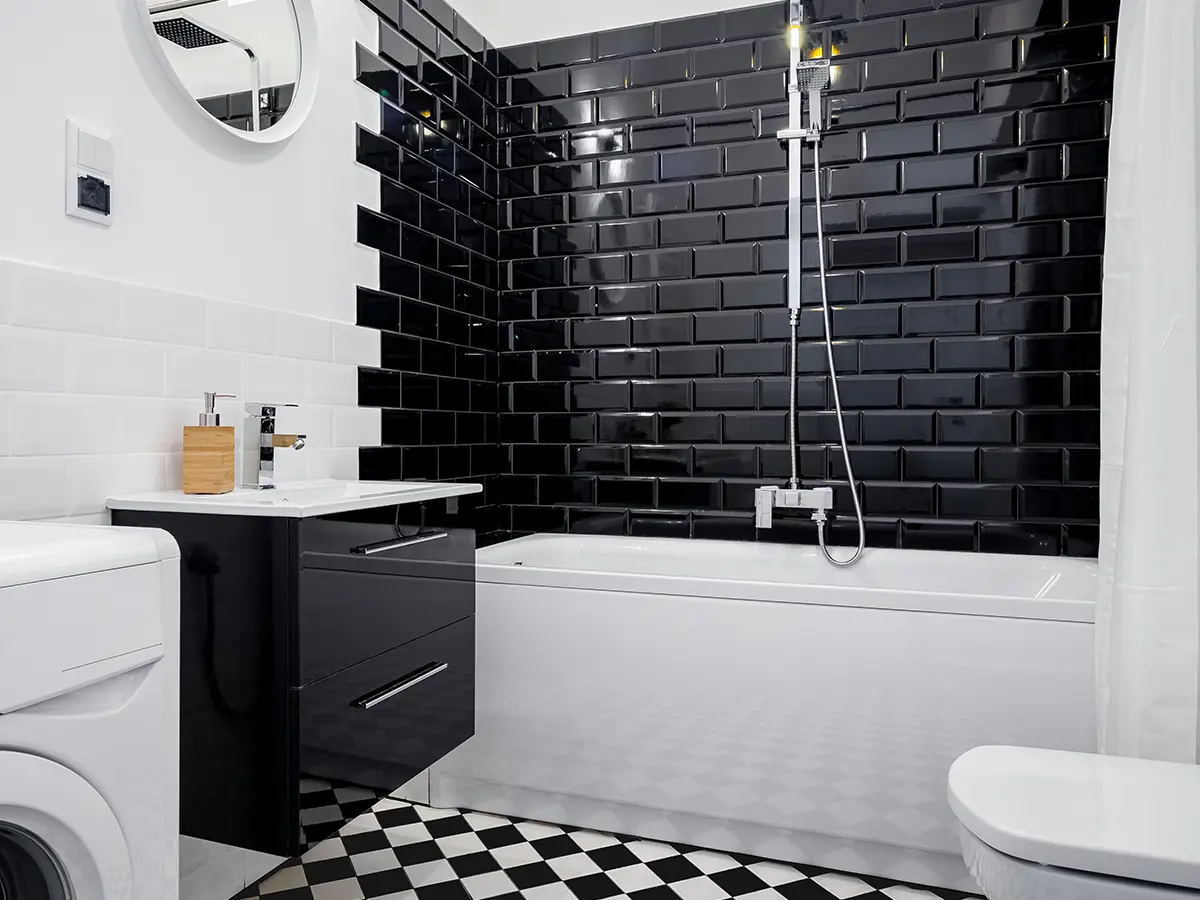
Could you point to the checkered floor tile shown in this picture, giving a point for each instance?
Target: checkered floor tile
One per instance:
(399, 851)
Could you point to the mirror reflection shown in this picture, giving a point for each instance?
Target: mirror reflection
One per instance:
(240, 59)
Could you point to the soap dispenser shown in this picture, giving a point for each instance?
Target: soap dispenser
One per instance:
(209, 451)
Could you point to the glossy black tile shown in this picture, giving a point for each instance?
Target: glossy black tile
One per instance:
(660, 460)
(691, 428)
(700, 162)
(538, 86)
(661, 68)
(612, 332)
(599, 205)
(661, 134)
(681, 296)
(631, 41)
(603, 77)
(631, 170)
(647, 201)
(626, 492)
(661, 265)
(565, 51)
(694, 97)
(628, 235)
(702, 228)
(910, 67)
(691, 32)
(627, 105)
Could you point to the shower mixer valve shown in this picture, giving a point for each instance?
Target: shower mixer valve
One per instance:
(766, 499)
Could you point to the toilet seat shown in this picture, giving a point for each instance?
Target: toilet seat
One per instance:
(1090, 815)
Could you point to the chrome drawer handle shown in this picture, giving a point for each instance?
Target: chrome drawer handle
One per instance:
(384, 546)
(411, 680)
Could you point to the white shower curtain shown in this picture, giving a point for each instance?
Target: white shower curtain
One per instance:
(1148, 615)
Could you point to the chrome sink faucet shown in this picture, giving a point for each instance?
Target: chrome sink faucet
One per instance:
(263, 442)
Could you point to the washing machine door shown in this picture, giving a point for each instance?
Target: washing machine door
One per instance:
(59, 840)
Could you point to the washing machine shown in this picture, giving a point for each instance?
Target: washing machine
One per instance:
(89, 713)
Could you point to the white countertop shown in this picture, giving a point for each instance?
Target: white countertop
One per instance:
(297, 500)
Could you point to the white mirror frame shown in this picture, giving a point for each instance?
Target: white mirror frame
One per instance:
(306, 85)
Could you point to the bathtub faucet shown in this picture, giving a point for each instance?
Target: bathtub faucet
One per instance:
(767, 498)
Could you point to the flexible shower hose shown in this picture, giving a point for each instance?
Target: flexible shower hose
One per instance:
(837, 399)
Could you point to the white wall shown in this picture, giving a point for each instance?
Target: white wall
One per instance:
(227, 267)
(509, 22)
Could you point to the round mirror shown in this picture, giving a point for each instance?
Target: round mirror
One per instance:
(243, 62)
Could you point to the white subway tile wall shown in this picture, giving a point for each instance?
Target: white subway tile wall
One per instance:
(99, 377)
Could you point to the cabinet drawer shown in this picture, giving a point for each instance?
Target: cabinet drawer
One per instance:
(388, 549)
(383, 721)
(346, 617)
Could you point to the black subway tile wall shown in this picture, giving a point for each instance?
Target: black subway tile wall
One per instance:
(642, 268)
(436, 230)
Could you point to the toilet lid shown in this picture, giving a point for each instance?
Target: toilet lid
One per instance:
(1126, 818)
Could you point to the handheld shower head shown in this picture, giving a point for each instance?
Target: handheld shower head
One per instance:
(812, 75)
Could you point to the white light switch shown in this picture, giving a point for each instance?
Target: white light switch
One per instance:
(89, 181)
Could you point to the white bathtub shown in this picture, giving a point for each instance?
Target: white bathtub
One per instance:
(753, 698)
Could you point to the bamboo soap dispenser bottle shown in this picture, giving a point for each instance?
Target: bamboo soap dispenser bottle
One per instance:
(209, 451)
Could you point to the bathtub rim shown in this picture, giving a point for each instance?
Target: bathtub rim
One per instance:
(491, 571)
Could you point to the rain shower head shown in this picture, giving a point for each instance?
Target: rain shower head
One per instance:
(812, 75)
(186, 33)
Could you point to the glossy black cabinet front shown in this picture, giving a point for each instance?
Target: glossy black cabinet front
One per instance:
(325, 662)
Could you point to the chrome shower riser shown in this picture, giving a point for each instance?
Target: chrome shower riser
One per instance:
(807, 78)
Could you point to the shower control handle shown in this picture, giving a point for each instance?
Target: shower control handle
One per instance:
(767, 499)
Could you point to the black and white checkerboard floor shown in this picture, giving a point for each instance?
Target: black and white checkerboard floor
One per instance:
(399, 851)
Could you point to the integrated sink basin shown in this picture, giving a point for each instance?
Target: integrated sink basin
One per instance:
(300, 499)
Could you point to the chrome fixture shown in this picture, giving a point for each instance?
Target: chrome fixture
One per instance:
(262, 441)
(807, 79)
(190, 34)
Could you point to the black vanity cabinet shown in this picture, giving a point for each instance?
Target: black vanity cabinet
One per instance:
(325, 662)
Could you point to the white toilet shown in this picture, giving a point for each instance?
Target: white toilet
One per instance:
(1051, 825)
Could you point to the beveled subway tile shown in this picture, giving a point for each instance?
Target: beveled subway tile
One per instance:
(674, 493)
(691, 428)
(631, 41)
(1070, 46)
(682, 296)
(750, 90)
(694, 97)
(662, 395)
(724, 59)
(625, 492)
(690, 230)
(537, 86)
(929, 101)
(1016, 92)
(941, 27)
(736, 125)
(1078, 122)
(615, 301)
(602, 77)
(661, 68)
(628, 235)
(598, 142)
(565, 51)
(660, 460)
(685, 361)
(563, 114)
(982, 58)
(695, 31)
(627, 105)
